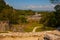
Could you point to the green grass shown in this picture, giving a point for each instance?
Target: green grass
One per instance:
(45, 29)
(31, 26)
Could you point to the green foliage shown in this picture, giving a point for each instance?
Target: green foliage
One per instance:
(8, 13)
(57, 12)
(30, 26)
(2, 5)
(25, 12)
(52, 19)
(45, 29)
(22, 19)
(57, 8)
(48, 19)
(55, 1)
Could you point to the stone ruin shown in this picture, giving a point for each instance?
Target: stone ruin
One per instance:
(17, 28)
(5, 27)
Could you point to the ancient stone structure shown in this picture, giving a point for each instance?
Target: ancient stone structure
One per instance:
(35, 17)
(4, 26)
(16, 28)
(45, 35)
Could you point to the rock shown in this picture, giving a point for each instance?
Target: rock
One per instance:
(45, 35)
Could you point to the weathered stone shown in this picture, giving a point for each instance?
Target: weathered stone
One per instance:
(16, 28)
(4, 26)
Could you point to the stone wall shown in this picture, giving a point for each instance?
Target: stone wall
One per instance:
(17, 28)
(45, 35)
(4, 26)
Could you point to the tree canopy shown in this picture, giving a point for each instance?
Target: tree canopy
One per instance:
(52, 19)
(55, 1)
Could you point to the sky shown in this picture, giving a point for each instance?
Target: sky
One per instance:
(44, 5)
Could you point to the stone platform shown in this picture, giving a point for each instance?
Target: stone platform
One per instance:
(51, 35)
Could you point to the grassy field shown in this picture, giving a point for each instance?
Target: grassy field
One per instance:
(30, 26)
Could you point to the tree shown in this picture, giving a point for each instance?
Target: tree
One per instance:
(57, 11)
(55, 1)
(22, 19)
(48, 19)
(8, 13)
(2, 5)
(52, 19)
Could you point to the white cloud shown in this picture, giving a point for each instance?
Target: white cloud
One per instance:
(38, 7)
